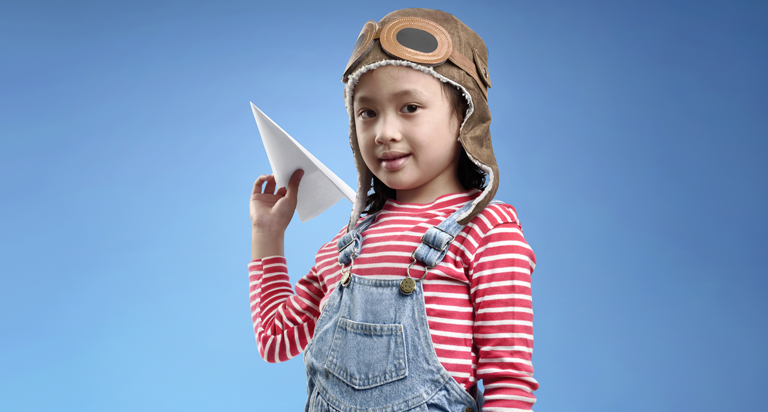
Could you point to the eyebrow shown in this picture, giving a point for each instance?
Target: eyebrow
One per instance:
(414, 93)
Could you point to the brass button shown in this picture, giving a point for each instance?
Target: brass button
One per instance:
(407, 286)
(345, 279)
(468, 410)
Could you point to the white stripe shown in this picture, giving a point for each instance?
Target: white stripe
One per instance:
(317, 298)
(502, 256)
(504, 322)
(506, 256)
(462, 296)
(501, 283)
(468, 237)
(503, 296)
(287, 345)
(508, 385)
(506, 360)
(498, 219)
(450, 321)
(504, 335)
(460, 375)
(451, 347)
(448, 307)
(310, 281)
(296, 339)
(456, 361)
(307, 335)
(508, 348)
(267, 311)
(511, 373)
(268, 284)
(514, 215)
(294, 315)
(506, 309)
(485, 220)
(512, 398)
(265, 355)
(334, 258)
(502, 244)
(281, 310)
(273, 275)
(504, 212)
(310, 304)
(506, 269)
(277, 348)
(506, 229)
(451, 334)
(297, 307)
(449, 282)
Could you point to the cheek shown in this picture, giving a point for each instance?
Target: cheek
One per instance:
(364, 147)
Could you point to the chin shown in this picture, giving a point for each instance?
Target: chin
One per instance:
(398, 184)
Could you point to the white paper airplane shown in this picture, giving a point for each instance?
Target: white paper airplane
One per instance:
(319, 188)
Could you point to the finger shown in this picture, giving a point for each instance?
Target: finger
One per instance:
(259, 182)
(281, 192)
(270, 188)
(293, 184)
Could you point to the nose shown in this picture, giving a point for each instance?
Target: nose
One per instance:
(388, 129)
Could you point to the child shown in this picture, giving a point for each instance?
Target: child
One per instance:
(407, 308)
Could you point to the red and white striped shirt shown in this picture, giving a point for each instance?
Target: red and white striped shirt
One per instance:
(478, 299)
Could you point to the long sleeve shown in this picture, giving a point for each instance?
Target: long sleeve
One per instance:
(282, 321)
(500, 279)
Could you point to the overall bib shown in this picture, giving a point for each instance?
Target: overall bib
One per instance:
(372, 350)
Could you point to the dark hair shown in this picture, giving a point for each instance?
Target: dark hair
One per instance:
(470, 175)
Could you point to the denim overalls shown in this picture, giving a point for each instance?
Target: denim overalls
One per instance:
(372, 350)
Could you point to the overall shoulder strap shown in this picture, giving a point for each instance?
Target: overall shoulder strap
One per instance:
(435, 242)
(350, 244)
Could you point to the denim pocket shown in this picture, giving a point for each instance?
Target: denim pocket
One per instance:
(365, 355)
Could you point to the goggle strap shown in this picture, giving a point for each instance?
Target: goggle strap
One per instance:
(469, 67)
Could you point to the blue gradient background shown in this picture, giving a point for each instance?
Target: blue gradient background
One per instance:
(631, 136)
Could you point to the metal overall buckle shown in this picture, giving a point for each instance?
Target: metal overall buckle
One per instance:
(346, 276)
(408, 285)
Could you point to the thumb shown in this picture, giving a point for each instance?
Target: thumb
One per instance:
(293, 184)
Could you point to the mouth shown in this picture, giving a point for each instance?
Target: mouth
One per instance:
(393, 160)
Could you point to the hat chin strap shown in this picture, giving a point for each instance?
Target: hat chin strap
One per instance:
(363, 173)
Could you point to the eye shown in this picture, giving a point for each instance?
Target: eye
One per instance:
(367, 114)
(409, 108)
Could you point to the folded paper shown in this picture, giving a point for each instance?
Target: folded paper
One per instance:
(320, 188)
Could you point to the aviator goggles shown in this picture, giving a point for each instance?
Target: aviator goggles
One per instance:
(419, 41)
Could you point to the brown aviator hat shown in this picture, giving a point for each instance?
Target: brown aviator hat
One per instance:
(439, 44)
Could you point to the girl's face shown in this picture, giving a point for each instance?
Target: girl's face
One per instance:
(407, 133)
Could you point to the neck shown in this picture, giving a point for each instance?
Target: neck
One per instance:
(429, 192)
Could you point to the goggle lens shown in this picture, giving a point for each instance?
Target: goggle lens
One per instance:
(416, 39)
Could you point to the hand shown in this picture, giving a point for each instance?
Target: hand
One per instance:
(271, 211)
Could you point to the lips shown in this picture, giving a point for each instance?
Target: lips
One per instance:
(393, 160)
